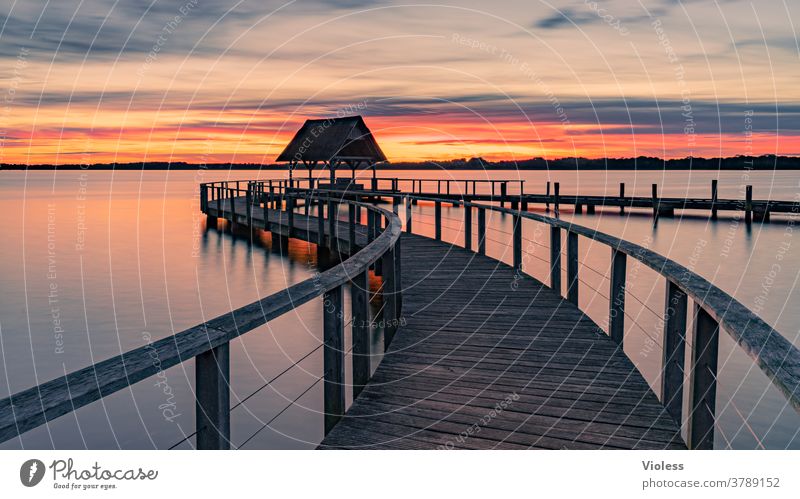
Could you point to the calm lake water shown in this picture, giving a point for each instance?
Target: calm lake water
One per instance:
(97, 263)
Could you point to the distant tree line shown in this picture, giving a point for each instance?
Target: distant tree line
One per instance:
(765, 162)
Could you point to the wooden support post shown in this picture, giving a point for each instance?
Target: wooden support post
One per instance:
(248, 201)
(556, 201)
(438, 219)
(290, 214)
(748, 204)
(396, 204)
(482, 231)
(468, 227)
(232, 204)
(333, 224)
(547, 199)
(321, 222)
(333, 357)
(555, 259)
(673, 351)
(398, 283)
(389, 297)
(622, 198)
(517, 221)
(714, 199)
(616, 302)
(370, 226)
(656, 208)
(359, 300)
(590, 209)
(524, 205)
(408, 215)
(351, 225)
(503, 192)
(702, 383)
(213, 398)
(572, 267)
(578, 208)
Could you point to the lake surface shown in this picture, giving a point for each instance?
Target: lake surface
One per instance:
(97, 263)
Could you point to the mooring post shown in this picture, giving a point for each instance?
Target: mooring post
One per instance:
(212, 398)
(616, 302)
(556, 201)
(555, 259)
(656, 208)
(673, 349)
(408, 214)
(748, 204)
(482, 231)
(359, 301)
(517, 221)
(333, 356)
(438, 219)
(714, 199)
(467, 227)
(702, 383)
(622, 198)
(572, 267)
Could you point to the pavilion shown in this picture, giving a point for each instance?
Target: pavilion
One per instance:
(331, 143)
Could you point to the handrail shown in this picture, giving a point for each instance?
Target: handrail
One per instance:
(774, 354)
(207, 342)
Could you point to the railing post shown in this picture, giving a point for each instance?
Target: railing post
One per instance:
(389, 296)
(656, 208)
(408, 215)
(517, 235)
(482, 231)
(232, 204)
(212, 399)
(714, 184)
(248, 200)
(395, 203)
(616, 301)
(333, 224)
(370, 226)
(438, 219)
(359, 294)
(467, 227)
(673, 350)
(748, 204)
(290, 213)
(702, 383)
(333, 357)
(547, 197)
(555, 259)
(321, 222)
(203, 197)
(503, 192)
(622, 198)
(572, 267)
(556, 196)
(351, 224)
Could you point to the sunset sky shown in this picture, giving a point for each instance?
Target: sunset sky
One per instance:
(201, 81)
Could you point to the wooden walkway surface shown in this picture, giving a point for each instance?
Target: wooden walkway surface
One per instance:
(481, 364)
(490, 360)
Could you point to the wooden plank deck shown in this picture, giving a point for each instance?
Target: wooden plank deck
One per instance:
(480, 365)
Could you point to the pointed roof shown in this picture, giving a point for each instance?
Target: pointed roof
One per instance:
(346, 138)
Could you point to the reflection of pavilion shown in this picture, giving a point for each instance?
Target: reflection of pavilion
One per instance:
(333, 142)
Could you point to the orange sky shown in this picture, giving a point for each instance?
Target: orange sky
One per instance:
(84, 83)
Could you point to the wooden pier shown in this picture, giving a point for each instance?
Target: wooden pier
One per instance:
(479, 355)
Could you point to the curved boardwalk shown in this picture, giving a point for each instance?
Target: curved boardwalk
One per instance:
(482, 365)
(490, 360)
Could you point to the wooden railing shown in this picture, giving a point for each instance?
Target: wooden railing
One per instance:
(209, 343)
(714, 309)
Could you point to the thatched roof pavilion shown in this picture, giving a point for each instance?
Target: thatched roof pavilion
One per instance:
(332, 142)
